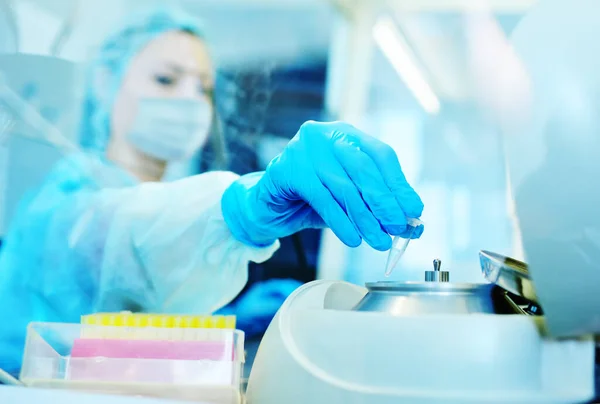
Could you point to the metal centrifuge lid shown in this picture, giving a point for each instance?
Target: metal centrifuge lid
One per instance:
(435, 281)
(435, 295)
(405, 287)
(510, 274)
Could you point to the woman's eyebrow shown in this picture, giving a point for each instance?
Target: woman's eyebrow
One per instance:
(178, 69)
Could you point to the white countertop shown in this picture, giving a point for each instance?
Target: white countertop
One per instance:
(23, 395)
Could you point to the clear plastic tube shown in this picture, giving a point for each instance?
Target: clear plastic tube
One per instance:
(13, 106)
(397, 252)
(7, 379)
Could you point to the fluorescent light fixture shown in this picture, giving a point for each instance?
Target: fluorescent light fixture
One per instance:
(498, 6)
(398, 53)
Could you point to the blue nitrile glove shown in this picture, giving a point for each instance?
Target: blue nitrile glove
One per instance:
(330, 174)
(256, 308)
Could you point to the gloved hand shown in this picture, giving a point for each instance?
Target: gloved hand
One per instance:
(330, 174)
(256, 308)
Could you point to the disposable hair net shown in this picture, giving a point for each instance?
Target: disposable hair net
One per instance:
(112, 60)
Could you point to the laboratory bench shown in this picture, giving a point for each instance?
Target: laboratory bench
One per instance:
(20, 395)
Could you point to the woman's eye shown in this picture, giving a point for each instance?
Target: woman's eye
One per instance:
(205, 90)
(165, 80)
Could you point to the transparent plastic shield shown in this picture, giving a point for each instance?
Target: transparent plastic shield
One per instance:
(553, 151)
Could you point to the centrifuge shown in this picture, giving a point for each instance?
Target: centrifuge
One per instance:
(432, 341)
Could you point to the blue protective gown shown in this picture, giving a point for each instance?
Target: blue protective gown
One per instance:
(92, 239)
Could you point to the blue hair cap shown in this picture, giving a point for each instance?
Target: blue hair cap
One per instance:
(112, 61)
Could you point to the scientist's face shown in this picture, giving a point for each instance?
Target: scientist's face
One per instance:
(171, 73)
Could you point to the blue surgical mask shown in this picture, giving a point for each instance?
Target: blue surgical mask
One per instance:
(171, 129)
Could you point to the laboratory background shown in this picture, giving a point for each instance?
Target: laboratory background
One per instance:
(434, 79)
(404, 74)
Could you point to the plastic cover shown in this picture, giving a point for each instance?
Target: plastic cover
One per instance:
(552, 146)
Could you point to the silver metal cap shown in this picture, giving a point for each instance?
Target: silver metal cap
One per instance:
(437, 275)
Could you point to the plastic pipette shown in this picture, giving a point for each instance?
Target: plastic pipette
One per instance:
(396, 252)
(43, 130)
(11, 103)
(7, 379)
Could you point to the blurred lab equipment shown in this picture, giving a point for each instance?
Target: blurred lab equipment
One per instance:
(48, 87)
(492, 349)
(552, 147)
(66, 30)
(464, 169)
(9, 32)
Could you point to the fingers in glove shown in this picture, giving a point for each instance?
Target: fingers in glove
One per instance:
(374, 191)
(387, 163)
(322, 201)
(345, 192)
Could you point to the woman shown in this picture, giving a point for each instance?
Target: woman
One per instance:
(104, 234)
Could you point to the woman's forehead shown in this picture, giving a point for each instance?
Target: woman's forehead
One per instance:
(180, 52)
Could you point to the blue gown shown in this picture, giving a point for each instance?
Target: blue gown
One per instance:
(93, 239)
